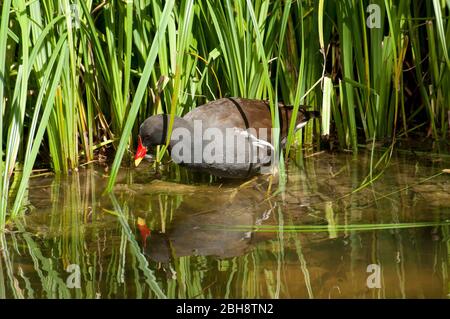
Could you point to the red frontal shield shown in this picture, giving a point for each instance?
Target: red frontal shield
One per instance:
(140, 152)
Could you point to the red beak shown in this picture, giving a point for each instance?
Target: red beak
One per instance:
(144, 230)
(140, 152)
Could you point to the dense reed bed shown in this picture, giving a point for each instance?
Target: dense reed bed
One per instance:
(76, 77)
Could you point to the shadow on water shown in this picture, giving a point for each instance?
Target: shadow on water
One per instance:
(155, 237)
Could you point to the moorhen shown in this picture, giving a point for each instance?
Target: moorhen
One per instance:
(229, 137)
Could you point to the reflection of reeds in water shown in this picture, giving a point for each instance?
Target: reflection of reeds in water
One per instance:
(135, 250)
(76, 237)
(6, 267)
(445, 265)
(313, 242)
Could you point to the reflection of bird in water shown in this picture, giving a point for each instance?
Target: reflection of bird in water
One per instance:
(194, 231)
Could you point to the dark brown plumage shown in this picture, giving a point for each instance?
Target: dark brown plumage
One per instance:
(246, 113)
(245, 118)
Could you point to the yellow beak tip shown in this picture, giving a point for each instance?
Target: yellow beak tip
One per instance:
(137, 161)
(140, 221)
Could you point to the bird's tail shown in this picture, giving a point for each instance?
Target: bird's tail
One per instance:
(311, 114)
(307, 115)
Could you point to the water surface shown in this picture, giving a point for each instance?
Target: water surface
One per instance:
(217, 239)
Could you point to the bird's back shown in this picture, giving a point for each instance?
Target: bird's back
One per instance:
(242, 113)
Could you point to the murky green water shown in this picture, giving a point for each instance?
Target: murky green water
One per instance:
(212, 240)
